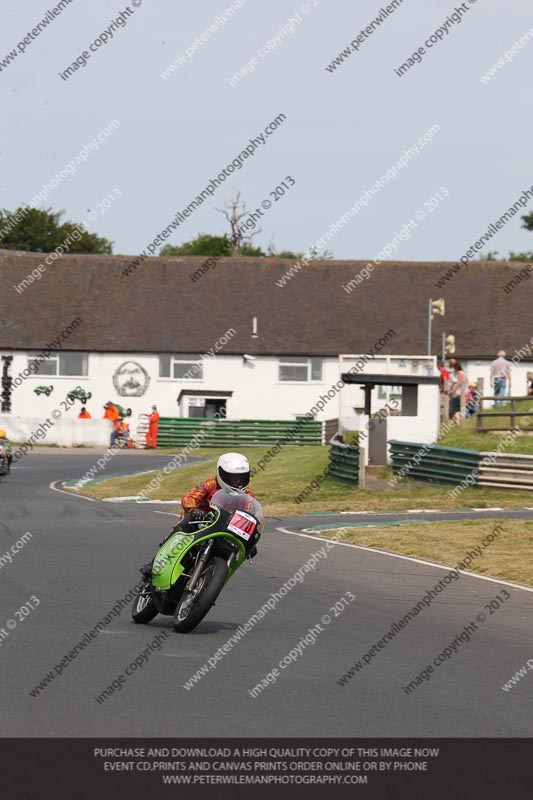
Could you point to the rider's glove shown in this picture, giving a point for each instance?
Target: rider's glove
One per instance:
(196, 514)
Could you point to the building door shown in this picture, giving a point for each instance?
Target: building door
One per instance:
(207, 407)
(215, 408)
(377, 441)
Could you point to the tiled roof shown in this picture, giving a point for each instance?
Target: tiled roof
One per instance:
(158, 308)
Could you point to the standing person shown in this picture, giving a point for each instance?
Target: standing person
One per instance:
(153, 428)
(444, 376)
(452, 362)
(458, 380)
(111, 411)
(500, 374)
(84, 414)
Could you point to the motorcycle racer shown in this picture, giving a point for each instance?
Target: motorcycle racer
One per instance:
(5, 451)
(233, 475)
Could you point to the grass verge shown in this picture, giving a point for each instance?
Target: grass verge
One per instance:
(509, 556)
(292, 470)
(467, 437)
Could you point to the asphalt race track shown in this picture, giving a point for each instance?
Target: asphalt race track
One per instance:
(84, 556)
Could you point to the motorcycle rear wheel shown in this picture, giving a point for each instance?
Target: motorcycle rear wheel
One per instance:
(144, 609)
(191, 609)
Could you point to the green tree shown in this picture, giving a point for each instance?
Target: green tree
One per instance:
(528, 221)
(285, 254)
(527, 258)
(41, 231)
(202, 245)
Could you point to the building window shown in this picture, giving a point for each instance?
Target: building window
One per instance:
(388, 392)
(74, 365)
(300, 369)
(181, 367)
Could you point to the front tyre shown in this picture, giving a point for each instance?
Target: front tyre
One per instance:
(193, 607)
(144, 609)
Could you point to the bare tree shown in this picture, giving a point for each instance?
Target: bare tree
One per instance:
(235, 211)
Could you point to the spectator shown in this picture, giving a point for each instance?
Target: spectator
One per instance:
(444, 376)
(500, 374)
(84, 414)
(125, 431)
(529, 381)
(458, 380)
(452, 362)
(472, 400)
(121, 430)
(111, 411)
(153, 428)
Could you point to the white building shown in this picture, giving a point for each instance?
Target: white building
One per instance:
(233, 341)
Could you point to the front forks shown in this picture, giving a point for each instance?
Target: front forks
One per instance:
(202, 561)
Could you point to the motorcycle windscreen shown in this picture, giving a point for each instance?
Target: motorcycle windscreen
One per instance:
(235, 502)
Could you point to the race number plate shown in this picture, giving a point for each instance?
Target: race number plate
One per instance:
(242, 524)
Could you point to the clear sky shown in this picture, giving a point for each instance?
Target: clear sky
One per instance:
(344, 128)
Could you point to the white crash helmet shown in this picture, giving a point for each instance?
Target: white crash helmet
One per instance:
(233, 472)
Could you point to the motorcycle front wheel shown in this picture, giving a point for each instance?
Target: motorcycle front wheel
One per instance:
(193, 606)
(144, 609)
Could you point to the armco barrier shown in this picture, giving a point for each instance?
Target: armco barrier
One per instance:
(344, 463)
(180, 431)
(433, 462)
(507, 471)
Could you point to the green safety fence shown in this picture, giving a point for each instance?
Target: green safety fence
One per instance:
(181, 431)
(344, 463)
(433, 462)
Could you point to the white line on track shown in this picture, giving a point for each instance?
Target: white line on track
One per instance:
(70, 494)
(406, 558)
(170, 514)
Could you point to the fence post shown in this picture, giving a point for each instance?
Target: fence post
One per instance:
(445, 407)
(362, 459)
(481, 392)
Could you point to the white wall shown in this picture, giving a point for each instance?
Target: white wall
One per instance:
(423, 427)
(64, 432)
(257, 393)
(519, 384)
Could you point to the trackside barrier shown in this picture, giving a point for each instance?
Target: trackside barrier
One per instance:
(344, 463)
(507, 471)
(178, 431)
(433, 462)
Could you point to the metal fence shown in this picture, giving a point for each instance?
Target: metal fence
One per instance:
(344, 463)
(433, 462)
(507, 471)
(179, 431)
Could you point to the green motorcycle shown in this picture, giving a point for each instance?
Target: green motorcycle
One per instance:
(196, 561)
(5, 457)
